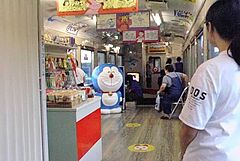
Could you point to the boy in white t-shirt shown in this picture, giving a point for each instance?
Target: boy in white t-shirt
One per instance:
(211, 115)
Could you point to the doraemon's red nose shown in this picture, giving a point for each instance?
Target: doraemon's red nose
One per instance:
(111, 75)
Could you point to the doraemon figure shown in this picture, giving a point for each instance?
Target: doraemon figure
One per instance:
(107, 80)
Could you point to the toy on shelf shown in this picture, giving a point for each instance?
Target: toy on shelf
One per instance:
(59, 73)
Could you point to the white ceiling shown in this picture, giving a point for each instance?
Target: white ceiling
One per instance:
(173, 28)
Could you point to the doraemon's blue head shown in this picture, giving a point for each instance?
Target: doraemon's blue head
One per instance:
(107, 78)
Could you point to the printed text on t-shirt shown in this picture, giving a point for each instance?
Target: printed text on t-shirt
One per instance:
(197, 93)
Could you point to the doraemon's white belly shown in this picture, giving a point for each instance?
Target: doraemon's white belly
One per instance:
(110, 100)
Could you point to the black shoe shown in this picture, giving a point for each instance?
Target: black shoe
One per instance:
(165, 116)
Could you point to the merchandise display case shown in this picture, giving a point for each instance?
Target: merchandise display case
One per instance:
(60, 69)
(75, 133)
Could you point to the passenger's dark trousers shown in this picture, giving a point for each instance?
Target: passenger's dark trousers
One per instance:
(166, 102)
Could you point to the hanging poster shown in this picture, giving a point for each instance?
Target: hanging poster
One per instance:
(139, 36)
(129, 36)
(133, 36)
(93, 7)
(183, 14)
(123, 22)
(151, 35)
(138, 20)
(106, 22)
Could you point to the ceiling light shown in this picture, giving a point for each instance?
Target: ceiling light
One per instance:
(116, 49)
(94, 18)
(108, 47)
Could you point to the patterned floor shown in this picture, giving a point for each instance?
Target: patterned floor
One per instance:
(162, 134)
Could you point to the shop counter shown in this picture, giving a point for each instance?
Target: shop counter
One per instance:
(75, 133)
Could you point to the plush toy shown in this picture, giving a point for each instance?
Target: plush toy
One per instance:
(107, 80)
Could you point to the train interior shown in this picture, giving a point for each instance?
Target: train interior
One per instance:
(181, 33)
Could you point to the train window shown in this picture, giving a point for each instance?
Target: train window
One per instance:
(193, 58)
(112, 58)
(101, 58)
(212, 51)
(155, 62)
(200, 50)
(119, 60)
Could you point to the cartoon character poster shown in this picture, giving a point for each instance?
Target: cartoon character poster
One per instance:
(138, 20)
(123, 22)
(151, 35)
(140, 36)
(133, 36)
(129, 36)
(93, 7)
(106, 22)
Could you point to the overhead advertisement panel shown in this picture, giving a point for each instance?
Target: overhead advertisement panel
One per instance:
(124, 21)
(93, 7)
(139, 20)
(139, 36)
(106, 22)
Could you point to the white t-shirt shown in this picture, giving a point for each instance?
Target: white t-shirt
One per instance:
(80, 75)
(213, 107)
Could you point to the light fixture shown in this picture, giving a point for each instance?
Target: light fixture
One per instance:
(157, 18)
(116, 49)
(108, 47)
(116, 37)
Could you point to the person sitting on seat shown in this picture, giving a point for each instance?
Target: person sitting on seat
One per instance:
(171, 88)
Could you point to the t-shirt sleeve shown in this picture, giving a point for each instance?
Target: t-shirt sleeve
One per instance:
(166, 80)
(201, 100)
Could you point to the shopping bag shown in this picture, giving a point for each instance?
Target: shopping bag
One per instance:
(157, 105)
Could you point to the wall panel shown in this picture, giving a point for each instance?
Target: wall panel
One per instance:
(20, 113)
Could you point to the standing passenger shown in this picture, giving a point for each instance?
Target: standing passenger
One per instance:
(211, 115)
(169, 61)
(179, 65)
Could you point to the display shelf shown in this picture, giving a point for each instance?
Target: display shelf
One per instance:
(55, 54)
(59, 46)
